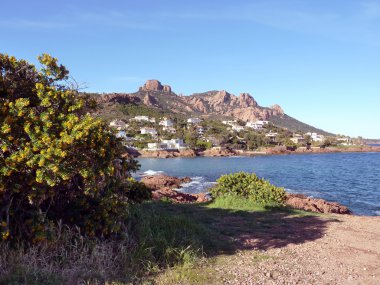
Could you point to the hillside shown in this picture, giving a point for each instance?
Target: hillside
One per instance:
(156, 99)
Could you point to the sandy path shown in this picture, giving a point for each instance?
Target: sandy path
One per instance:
(348, 252)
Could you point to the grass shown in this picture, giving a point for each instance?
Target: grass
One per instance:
(232, 202)
(165, 244)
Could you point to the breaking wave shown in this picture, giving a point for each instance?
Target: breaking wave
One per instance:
(198, 184)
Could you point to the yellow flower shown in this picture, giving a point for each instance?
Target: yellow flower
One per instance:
(5, 129)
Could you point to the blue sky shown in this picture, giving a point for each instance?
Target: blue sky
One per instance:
(318, 59)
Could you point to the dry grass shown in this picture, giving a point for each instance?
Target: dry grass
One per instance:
(70, 259)
(156, 240)
(166, 244)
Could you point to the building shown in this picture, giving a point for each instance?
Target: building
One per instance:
(157, 146)
(315, 137)
(166, 123)
(230, 123)
(123, 135)
(271, 136)
(170, 130)
(141, 118)
(173, 144)
(193, 121)
(144, 119)
(237, 128)
(200, 130)
(345, 141)
(256, 125)
(118, 124)
(148, 131)
(297, 139)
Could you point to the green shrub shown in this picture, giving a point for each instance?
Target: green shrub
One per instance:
(203, 145)
(137, 192)
(57, 162)
(250, 186)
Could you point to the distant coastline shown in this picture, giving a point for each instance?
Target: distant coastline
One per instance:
(374, 144)
(220, 152)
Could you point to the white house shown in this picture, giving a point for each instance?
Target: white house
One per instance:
(141, 118)
(344, 141)
(230, 123)
(193, 121)
(257, 125)
(148, 131)
(315, 137)
(157, 146)
(173, 144)
(237, 128)
(118, 124)
(271, 136)
(166, 123)
(123, 135)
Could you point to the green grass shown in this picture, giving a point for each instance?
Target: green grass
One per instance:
(232, 202)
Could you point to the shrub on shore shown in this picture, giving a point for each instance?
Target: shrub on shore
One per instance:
(250, 186)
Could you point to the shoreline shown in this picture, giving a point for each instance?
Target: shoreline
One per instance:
(234, 152)
(167, 187)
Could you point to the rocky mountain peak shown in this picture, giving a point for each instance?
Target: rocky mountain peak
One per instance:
(155, 85)
(223, 96)
(277, 108)
(246, 100)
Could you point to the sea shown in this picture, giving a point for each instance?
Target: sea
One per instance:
(352, 179)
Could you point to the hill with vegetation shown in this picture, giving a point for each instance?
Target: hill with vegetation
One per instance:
(156, 100)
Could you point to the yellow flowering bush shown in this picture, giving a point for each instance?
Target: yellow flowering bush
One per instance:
(56, 160)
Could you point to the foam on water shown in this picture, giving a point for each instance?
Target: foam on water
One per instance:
(151, 172)
(198, 184)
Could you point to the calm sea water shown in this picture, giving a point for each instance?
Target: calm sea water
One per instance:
(352, 179)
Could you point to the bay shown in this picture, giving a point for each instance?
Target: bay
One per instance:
(352, 179)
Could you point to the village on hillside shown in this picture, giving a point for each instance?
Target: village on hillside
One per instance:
(154, 134)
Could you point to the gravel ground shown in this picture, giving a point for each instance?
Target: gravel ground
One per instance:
(347, 252)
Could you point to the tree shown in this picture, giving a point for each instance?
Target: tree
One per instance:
(254, 140)
(56, 161)
(191, 138)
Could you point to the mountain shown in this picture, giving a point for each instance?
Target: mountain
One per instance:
(212, 104)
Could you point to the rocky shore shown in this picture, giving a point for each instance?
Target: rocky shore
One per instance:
(223, 152)
(164, 187)
(302, 202)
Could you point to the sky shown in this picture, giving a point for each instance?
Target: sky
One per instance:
(318, 59)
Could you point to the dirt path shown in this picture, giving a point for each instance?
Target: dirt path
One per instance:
(347, 252)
